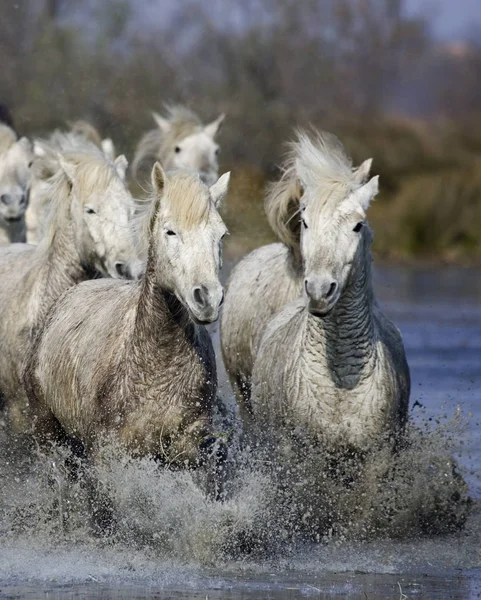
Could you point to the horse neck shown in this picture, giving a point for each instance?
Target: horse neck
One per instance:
(161, 320)
(348, 330)
(59, 264)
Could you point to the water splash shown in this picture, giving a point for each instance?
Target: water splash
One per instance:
(274, 506)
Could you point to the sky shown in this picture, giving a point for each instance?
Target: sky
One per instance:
(450, 19)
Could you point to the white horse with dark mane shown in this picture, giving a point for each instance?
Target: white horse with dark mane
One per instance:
(133, 359)
(16, 156)
(268, 278)
(88, 233)
(181, 142)
(330, 366)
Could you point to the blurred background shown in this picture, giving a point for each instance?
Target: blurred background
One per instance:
(398, 80)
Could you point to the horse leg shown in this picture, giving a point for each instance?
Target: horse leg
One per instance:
(213, 457)
(101, 508)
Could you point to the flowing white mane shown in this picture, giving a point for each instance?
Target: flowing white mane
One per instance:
(316, 162)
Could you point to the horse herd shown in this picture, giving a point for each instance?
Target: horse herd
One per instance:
(103, 312)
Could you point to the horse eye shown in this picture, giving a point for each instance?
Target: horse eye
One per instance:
(304, 223)
(217, 150)
(30, 164)
(177, 149)
(358, 227)
(90, 211)
(170, 232)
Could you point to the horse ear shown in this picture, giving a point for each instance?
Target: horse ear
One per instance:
(219, 189)
(361, 174)
(108, 148)
(67, 167)
(121, 164)
(366, 193)
(212, 129)
(158, 179)
(162, 123)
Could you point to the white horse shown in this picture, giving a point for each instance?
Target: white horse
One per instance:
(181, 142)
(88, 233)
(16, 158)
(83, 136)
(132, 359)
(330, 366)
(268, 278)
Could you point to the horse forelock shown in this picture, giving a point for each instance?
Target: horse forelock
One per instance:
(324, 169)
(93, 173)
(187, 200)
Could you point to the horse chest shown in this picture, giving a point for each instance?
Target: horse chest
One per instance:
(353, 403)
(168, 393)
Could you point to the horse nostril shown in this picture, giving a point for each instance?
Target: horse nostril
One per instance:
(5, 199)
(122, 269)
(331, 290)
(200, 296)
(305, 285)
(222, 299)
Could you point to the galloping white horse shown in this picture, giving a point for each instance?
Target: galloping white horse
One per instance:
(331, 367)
(268, 278)
(88, 233)
(143, 366)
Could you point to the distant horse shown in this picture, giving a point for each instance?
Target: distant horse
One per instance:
(133, 359)
(268, 278)
(330, 366)
(181, 141)
(16, 157)
(88, 233)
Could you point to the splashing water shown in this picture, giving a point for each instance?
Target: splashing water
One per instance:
(312, 512)
(273, 505)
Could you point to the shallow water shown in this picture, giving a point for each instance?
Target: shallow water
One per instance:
(439, 314)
